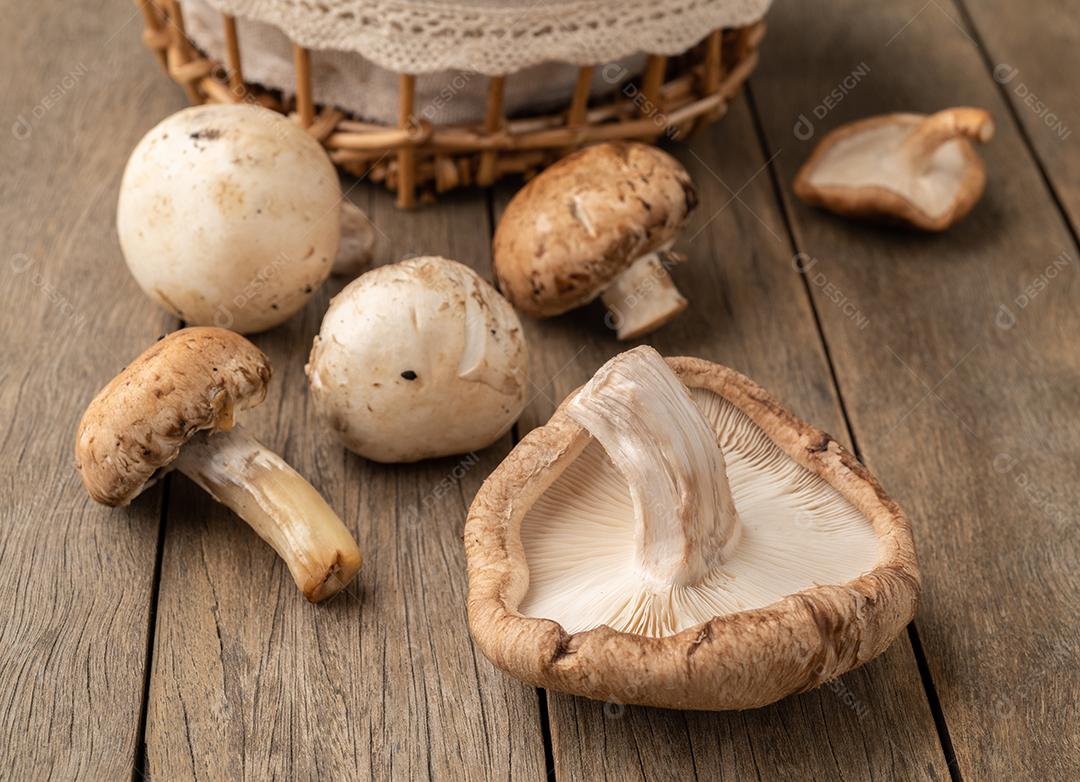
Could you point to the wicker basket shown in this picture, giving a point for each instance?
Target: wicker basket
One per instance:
(672, 97)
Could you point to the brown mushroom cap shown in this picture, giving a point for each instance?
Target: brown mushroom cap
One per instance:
(573, 229)
(862, 169)
(736, 660)
(192, 380)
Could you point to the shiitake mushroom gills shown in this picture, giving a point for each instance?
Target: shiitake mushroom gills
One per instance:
(174, 407)
(673, 537)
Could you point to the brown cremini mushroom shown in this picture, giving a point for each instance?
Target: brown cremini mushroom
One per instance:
(673, 537)
(600, 222)
(174, 406)
(913, 168)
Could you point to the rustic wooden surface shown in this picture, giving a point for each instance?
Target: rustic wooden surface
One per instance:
(166, 641)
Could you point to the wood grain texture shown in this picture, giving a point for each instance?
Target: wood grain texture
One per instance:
(748, 309)
(76, 578)
(1032, 52)
(962, 380)
(382, 682)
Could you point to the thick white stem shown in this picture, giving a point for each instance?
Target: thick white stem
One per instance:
(282, 507)
(644, 297)
(658, 439)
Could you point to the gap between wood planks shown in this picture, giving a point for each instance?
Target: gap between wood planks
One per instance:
(929, 687)
(138, 765)
(1025, 136)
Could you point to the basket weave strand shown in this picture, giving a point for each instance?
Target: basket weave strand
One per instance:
(674, 96)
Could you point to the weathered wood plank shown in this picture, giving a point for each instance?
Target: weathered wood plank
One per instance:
(749, 310)
(382, 682)
(960, 378)
(1032, 52)
(76, 578)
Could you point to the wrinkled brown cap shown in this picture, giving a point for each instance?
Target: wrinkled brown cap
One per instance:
(737, 660)
(192, 380)
(570, 231)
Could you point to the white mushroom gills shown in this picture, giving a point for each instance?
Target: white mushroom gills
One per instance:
(283, 508)
(644, 297)
(678, 510)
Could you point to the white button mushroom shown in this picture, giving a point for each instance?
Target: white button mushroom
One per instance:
(911, 168)
(673, 537)
(229, 216)
(419, 359)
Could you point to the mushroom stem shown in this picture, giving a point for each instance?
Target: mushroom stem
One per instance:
(356, 243)
(283, 508)
(663, 446)
(644, 297)
(944, 126)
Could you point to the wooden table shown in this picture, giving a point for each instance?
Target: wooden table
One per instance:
(166, 640)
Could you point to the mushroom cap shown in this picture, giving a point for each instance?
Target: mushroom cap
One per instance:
(740, 658)
(192, 380)
(229, 216)
(580, 223)
(854, 172)
(419, 359)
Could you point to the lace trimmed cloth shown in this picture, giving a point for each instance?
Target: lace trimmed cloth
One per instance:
(358, 46)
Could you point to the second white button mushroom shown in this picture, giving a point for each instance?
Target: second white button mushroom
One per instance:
(419, 359)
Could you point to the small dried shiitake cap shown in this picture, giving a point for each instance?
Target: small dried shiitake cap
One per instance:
(912, 168)
(673, 537)
(191, 381)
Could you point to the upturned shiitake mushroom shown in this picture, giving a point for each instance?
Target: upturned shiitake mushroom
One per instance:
(673, 537)
(230, 215)
(173, 407)
(419, 359)
(916, 169)
(600, 222)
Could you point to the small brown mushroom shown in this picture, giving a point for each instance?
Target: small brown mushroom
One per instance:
(174, 406)
(913, 168)
(600, 222)
(673, 537)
